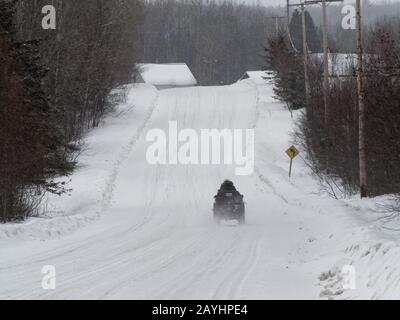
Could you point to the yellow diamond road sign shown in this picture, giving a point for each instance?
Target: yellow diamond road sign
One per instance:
(292, 152)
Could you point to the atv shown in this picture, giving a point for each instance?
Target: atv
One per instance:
(229, 204)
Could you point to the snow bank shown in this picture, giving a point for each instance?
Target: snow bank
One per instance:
(342, 234)
(104, 150)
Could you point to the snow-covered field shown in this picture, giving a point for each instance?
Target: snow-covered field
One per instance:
(131, 230)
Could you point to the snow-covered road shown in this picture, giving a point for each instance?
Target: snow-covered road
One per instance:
(152, 234)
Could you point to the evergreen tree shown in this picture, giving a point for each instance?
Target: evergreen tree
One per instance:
(289, 80)
(32, 148)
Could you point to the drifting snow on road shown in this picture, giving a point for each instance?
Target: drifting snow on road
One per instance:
(133, 230)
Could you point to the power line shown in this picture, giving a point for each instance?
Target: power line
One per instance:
(325, 83)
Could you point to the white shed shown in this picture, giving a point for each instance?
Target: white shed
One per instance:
(339, 63)
(166, 75)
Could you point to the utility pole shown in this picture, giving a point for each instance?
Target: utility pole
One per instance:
(305, 51)
(305, 56)
(361, 106)
(325, 84)
(360, 90)
(288, 14)
(326, 63)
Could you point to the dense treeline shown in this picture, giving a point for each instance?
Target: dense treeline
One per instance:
(342, 40)
(218, 40)
(333, 145)
(32, 146)
(91, 51)
(54, 86)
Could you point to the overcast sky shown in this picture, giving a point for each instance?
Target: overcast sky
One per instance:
(283, 2)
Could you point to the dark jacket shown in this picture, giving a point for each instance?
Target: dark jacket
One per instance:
(227, 187)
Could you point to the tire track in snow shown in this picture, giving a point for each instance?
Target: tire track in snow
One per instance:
(199, 270)
(247, 270)
(231, 286)
(123, 156)
(256, 119)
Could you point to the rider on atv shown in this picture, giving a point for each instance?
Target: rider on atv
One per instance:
(228, 203)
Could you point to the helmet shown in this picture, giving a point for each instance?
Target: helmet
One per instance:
(227, 185)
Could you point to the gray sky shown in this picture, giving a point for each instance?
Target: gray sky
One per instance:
(283, 2)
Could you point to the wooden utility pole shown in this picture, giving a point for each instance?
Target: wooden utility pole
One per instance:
(305, 56)
(325, 85)
(288, 14)
(360, 88)
(361, 106)
(305, 51)
(326, 63)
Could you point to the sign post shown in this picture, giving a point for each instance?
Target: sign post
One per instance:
(292, 152)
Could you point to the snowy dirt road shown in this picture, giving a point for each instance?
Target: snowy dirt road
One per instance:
(154, 237)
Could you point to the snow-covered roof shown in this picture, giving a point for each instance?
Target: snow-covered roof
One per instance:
(339, 63)
(258, 76)
(168, 74)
